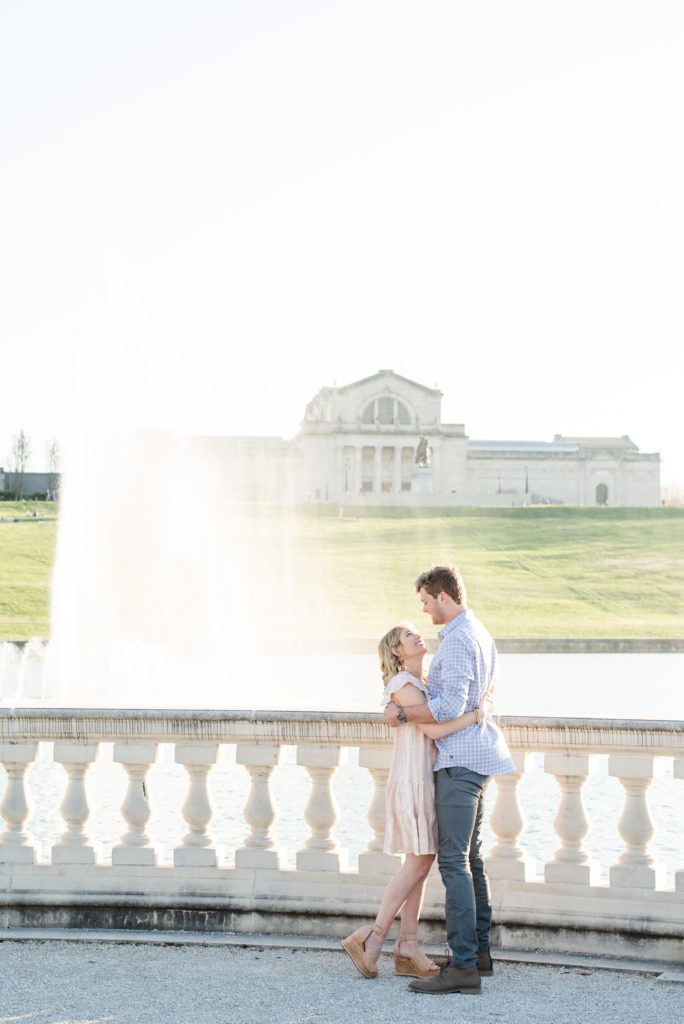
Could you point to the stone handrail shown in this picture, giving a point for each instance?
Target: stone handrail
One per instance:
(565, 904)
(664, 738)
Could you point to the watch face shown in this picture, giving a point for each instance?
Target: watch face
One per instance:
(401, 717)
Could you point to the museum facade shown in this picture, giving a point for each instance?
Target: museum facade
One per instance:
(381, 441)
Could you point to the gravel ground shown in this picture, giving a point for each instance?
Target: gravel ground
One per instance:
(57, 982)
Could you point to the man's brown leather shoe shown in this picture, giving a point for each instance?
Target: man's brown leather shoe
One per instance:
(484, 963)
(450, 979)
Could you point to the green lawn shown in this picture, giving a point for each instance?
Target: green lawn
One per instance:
(530, 572)
(27, 549)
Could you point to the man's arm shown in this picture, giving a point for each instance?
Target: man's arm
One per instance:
(418, 713)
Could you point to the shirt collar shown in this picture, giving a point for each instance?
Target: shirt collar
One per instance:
(457, 623)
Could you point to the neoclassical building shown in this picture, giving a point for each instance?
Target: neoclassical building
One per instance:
(381, 441)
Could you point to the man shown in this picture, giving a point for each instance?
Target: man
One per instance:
(463, 668)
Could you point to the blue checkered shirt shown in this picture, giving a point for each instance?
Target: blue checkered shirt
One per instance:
(462, 669)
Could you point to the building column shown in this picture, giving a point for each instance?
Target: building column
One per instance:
(357, 469)
(377, 470)
(396, 470)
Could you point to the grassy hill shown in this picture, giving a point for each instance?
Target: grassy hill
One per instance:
(27, 548)
(530, 572)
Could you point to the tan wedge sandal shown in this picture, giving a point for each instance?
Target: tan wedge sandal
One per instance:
(364, 961)
(417, 966)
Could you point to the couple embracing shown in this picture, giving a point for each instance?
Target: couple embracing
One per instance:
(443, 731)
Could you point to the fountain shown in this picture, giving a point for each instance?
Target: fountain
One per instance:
(171, 591)
(152, 594)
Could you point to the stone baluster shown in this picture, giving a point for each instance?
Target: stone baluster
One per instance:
(197, 849)
(377, 761)
(507, 859)
(73, 847)
(259, 850)
(321, 851)
(135, 847)
(678, 773)
(571, 862)
(636, 868)
(14, 844)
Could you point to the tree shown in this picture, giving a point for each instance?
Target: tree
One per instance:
(52, 453)
(21, 451)
(673, 495)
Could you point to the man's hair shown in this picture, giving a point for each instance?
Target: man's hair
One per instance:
(445, 578)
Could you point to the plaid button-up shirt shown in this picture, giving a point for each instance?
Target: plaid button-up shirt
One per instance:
(463, 668)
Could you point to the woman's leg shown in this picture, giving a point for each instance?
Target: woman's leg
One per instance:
(405, 893)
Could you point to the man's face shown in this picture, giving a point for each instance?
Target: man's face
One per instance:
(432, 606)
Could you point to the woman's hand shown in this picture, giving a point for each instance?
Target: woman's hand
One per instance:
(486, 705)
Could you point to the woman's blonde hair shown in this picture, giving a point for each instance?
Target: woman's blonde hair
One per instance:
(389, 661)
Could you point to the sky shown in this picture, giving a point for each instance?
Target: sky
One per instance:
(210, 210)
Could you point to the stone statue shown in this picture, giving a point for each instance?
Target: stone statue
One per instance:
(423, 452)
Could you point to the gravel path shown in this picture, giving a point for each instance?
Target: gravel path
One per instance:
(59, 982)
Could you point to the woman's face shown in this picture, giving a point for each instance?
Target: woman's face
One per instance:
(410, 644)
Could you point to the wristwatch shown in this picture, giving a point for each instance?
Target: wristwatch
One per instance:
(401, 717)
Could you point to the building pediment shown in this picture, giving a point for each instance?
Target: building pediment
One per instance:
(389, 379)
(385, 399)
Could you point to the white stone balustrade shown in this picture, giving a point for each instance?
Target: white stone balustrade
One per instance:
(135, 847)
(636, 867)
(627, 903)
(377, 760)
(321, 852)
(507, 859)
(14, 843)
(73, 847)
(197, 849)
(259, 850)
(571, 862)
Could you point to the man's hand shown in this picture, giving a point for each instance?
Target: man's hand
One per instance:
(390, 712)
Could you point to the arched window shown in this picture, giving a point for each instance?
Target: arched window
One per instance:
(387, 411)
(602, 494)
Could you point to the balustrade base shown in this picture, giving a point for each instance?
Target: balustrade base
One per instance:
(133, 856)
(378, 863)
(255, 858)
(73, 855)
(627, 877)
(320, 860)
(650, 949)
(17, 855)
(194, 857)
(521, 870)
(575, 874)
(278, 903)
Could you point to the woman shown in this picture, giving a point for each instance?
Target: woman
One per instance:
(411, 821)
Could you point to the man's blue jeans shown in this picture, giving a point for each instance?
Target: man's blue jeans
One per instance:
(459, 801)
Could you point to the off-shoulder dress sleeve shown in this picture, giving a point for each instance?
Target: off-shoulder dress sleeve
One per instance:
(396, 683)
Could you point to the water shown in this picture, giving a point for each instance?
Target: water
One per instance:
(640, 686)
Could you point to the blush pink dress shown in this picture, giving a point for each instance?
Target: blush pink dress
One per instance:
(411, 825)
